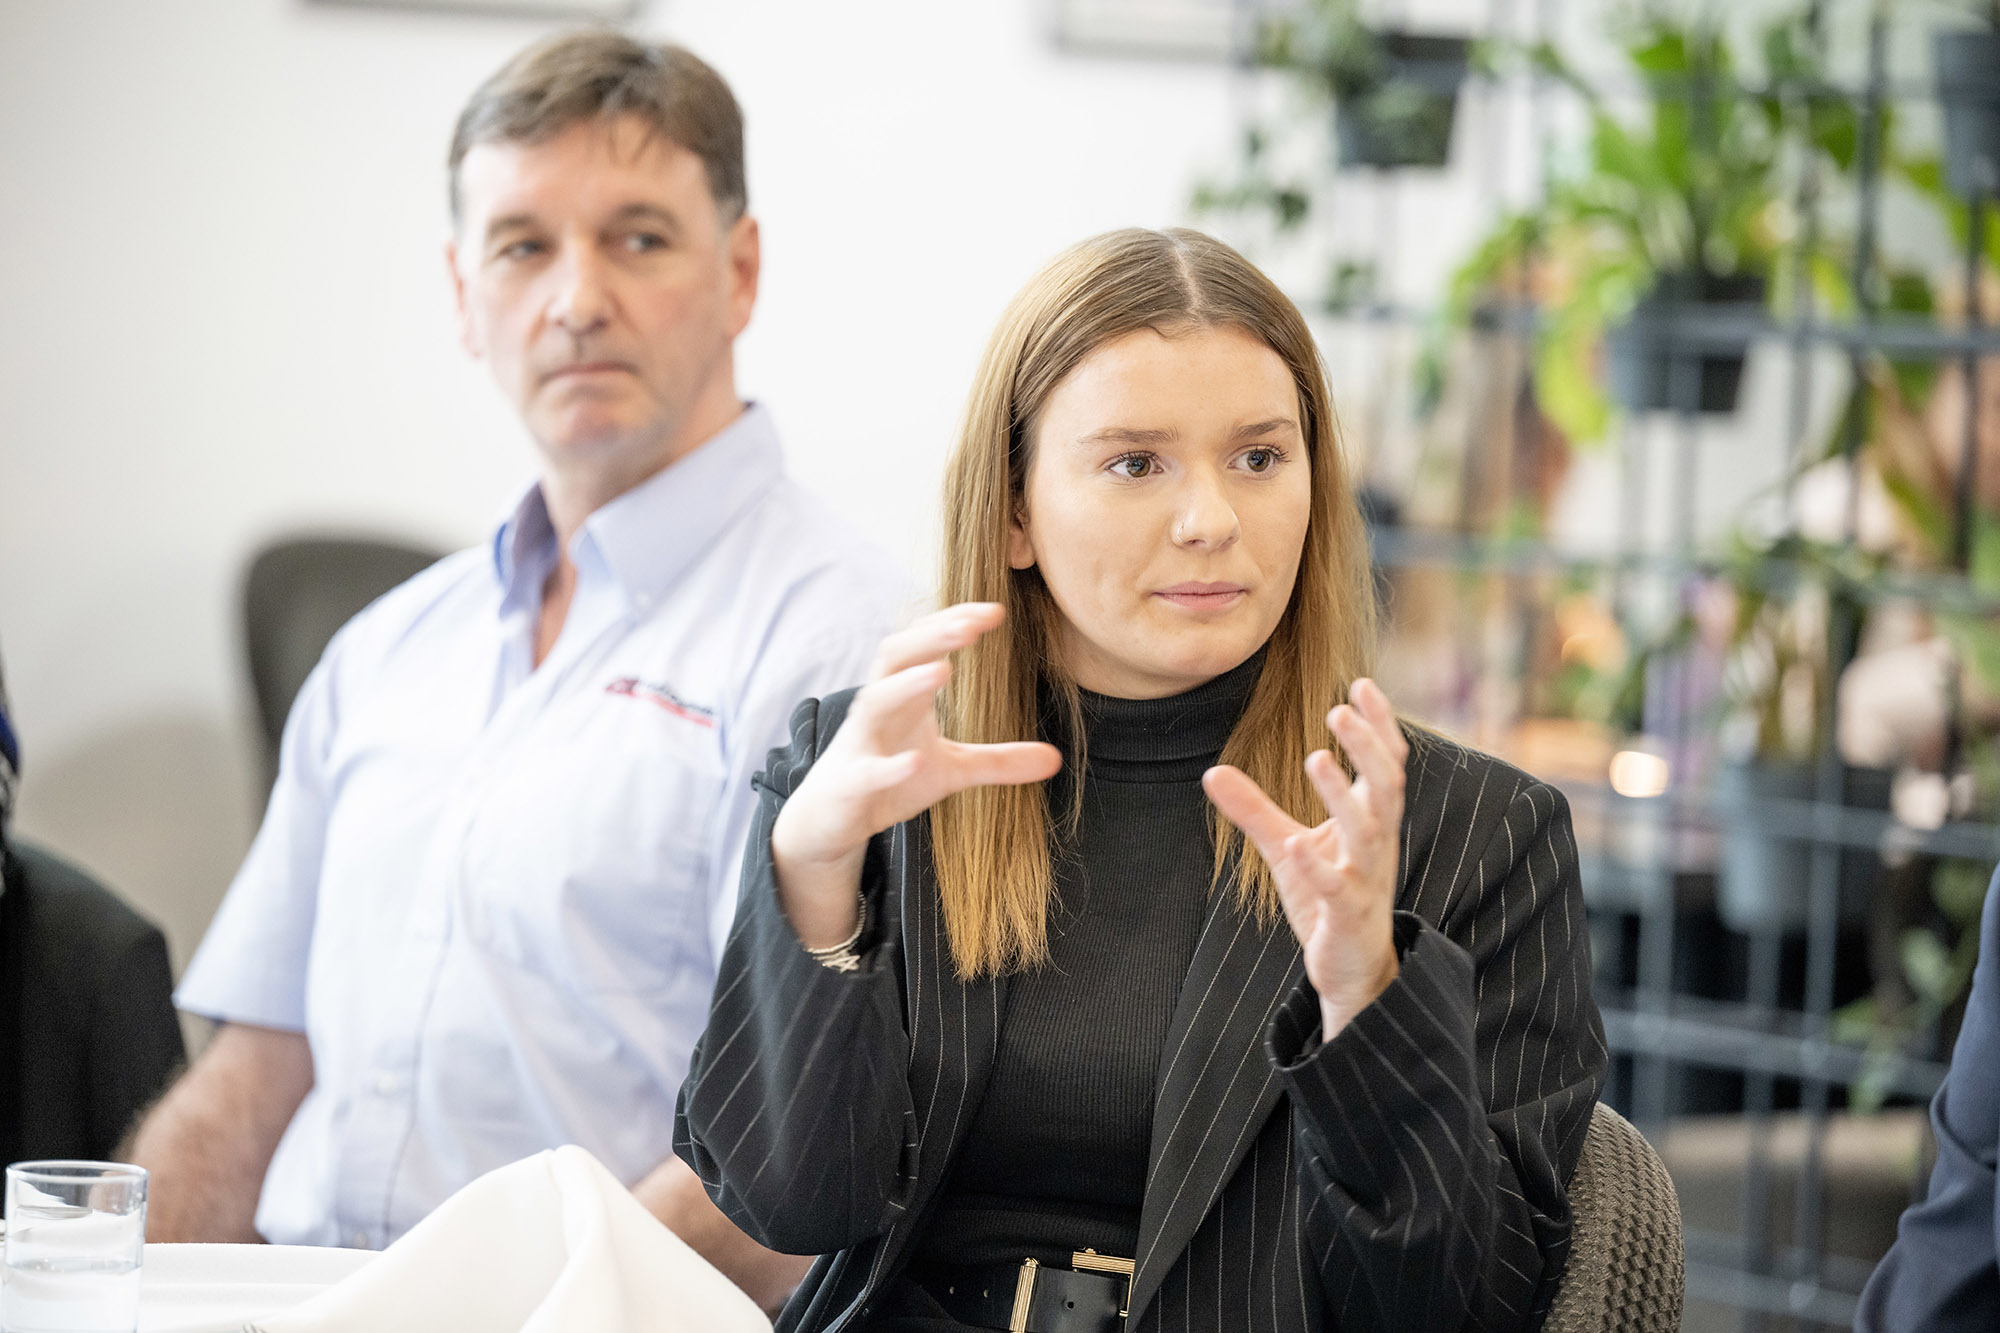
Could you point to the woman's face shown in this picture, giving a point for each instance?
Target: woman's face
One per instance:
(1166, 508)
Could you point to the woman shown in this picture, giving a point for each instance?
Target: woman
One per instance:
(1015, 1031)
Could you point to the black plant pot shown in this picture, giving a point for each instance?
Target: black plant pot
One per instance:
(1967, 68)
(1764, 882)
(1655, 368)
(1403, 117)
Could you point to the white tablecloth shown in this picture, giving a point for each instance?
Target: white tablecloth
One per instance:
(219, 1288)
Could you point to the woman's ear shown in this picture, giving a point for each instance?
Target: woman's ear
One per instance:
(1020, 547)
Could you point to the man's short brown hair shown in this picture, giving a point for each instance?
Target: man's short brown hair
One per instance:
(598, 74)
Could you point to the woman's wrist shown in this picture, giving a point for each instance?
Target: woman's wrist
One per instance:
(1338, 1008)
(819, 884)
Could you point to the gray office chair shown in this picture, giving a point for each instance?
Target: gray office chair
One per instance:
(298, 593)
(1627, 1270)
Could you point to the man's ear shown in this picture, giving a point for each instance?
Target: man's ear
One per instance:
(468, 336)
(1020, 546)
(746, 261)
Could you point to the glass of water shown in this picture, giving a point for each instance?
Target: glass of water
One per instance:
(75, 1234)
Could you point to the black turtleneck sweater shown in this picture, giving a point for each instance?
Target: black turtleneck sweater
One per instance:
(1056, 1160)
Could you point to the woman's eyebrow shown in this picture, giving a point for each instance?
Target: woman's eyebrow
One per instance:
(1130, 435)
(1273, 426)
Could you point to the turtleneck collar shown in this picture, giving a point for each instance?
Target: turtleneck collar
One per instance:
(1174, 739)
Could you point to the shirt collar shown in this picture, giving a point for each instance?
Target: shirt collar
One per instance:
(647, 537)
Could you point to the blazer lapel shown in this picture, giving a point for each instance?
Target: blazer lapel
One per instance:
(954, 1036)
(1216, 1087)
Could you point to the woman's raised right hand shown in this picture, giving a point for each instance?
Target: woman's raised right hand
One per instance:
(887, 763)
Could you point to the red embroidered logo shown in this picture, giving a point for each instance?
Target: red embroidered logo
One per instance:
(634, 688)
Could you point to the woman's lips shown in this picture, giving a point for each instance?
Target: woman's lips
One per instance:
(1204, 596)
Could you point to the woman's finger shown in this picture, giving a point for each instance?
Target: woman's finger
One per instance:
(1244, 804)
(1008, 764)
(1336, 792)
(1381, 714)
(935, 635)
(898, 700)
(1366, 749)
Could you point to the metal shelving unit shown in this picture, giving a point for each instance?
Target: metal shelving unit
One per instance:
(1775, 1037)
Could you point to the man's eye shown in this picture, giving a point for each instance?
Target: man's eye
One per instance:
(1134, 465)
(521, 250)
(639, 242)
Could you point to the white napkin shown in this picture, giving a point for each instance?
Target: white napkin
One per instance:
(550, 1244)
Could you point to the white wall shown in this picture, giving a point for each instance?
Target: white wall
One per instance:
(225, 316)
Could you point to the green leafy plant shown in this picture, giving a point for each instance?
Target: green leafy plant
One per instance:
(1392, 91)
(1699, 183)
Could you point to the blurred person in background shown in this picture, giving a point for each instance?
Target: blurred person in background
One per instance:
(483, 913)
(1114, 989)
(88, 1034)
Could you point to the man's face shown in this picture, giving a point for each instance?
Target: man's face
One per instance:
(597, 279)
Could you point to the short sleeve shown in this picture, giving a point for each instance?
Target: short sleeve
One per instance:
(251, 966)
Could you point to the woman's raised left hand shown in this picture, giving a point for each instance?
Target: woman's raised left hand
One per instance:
(1337, 880)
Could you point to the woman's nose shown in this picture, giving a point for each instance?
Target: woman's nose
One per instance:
(1206, 518)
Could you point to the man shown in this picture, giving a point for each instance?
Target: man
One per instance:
(1943, 1273)
(87, 1028)
(483, 913)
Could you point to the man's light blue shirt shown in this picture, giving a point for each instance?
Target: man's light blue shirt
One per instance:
(492, 895)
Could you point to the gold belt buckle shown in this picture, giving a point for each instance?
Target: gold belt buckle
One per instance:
(1024, 1296)
(1090, 1261)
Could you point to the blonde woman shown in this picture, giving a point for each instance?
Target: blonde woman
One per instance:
(1115, 949)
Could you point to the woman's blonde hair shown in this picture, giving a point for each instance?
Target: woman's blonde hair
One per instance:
(992, 844)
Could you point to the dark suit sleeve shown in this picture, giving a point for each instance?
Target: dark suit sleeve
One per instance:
(1941, 1274)
(1437, 1132)
(796, 1110)
(135, 1038)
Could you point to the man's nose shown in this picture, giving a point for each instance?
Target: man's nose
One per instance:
(581, 303)
(1206, 519)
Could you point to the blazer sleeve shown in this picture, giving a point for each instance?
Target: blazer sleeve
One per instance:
(796, 1111)
(1941, 1272)
(1437, 1132)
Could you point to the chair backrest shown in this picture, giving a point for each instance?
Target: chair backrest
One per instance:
(298, 593)
(1627, 1271)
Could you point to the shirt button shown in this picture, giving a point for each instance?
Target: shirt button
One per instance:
(358, 1241)
(387, 1085)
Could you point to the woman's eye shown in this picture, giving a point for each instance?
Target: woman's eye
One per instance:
(1134, 465)
(1261, 460)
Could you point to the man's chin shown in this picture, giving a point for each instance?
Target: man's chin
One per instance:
(583, 435)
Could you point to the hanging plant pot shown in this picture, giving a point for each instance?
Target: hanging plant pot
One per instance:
(1399, 112)
(1966, 64)
(1764, 881)
(1653, 370)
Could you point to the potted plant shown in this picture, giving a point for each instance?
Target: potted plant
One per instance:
(1394, 92)
(1774, 695)
(1671, 218)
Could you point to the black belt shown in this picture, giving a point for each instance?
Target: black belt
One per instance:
(1031, 1297)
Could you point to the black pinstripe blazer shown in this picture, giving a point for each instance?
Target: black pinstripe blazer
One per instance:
(1410, 1174)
